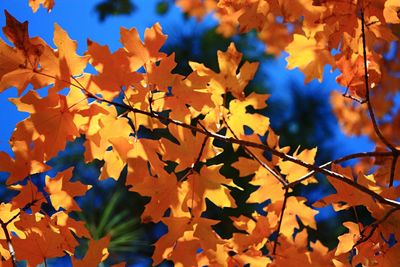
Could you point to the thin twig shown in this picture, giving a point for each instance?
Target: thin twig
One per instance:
(367, 92)
(192, 168)
(342, 159)
(280, 221)
(10, 246)
(393, 169)
(358, 100)
(374, 226)
(264, 165)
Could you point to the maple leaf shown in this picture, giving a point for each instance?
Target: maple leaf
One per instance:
(347, 241)
(29, 196)
(257, 228)
(67, 63)
(295, 209)
(17, 33)
(7, 212)
(52, 118)
(252, 257)
(275, 35)
(310, 55)
(101, 129)
(184, 231)
(212, 103)
(269, 187)
(352, 76)
(26, 162)
(115, 159)
(165, 194)
(345, 195)
(392, 256)
(254, 16)
(351, 117)
(62, 191)
(33, 61)
(10, 60)
(239, 117)
(96, 253)
(160, 75)
(185, 152)
(140, 53)
(229, 78)
(42, 239)
(113, 69)
(207, 184)
(35, 4)
(194, 89)
(18, 64)
(62, 219)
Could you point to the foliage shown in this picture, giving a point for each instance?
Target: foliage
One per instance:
(199, 145)
(114, 7)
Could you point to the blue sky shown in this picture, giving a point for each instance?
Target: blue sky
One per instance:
(80, 20)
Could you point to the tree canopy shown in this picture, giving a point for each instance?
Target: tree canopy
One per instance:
(199, 145)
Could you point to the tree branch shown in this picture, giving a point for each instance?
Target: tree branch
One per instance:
(393, 169)
(8, 238)
(367, 92)
(264, 165)
(246, 143)
(280, 221)
(374, 226)
(345, 158)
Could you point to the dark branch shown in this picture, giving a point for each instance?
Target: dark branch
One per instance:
(280, 221)
(367, 92)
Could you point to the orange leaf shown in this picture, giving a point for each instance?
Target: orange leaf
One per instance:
(62, 191)
(141, 53)
(96, 253)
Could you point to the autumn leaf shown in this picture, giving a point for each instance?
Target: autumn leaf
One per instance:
(310, 55)
(210, 184)
(165, 194)
(42, 239)
(67, 63)
(183, 231)
(62, 191)
(140, 53)
(26, 162)
(35, 4)
(96, 253)
(114, 72)
(189, 145)
(7, 212)
(28, 197)
(239, 117)
(347, 241)
(18, 64)
(52, 119)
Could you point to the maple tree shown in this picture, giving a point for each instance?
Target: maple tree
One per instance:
(201, 116)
